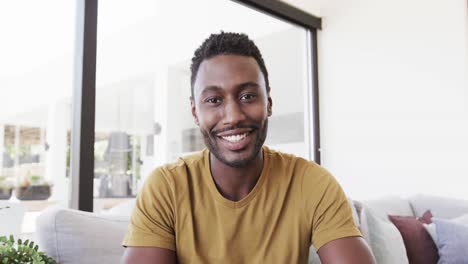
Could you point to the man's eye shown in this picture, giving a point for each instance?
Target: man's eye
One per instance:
(213, 100)
(247, 97)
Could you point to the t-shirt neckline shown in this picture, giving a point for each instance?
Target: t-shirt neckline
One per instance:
(244, 201)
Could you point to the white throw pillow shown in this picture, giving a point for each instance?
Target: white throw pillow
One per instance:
(432, 228)
(383, 237)
(461, 220)
(390, 205)
(452, 241)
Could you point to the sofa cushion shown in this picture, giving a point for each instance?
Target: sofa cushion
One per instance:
(383, 238)
(452, 241)
(441, 207)
(71, 236)
(354, 212)
(432, 230)
(122, 209)
(420, 247)
(389, 206)
(461, 220)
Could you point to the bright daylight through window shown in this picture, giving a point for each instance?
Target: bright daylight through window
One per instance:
(36, 78)
(143, 118)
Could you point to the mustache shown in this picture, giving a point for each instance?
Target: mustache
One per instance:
(252, 126)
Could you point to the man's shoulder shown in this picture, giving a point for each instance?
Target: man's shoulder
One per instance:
(180, 168)
(280, 156)
(297, 163)
(190, 160)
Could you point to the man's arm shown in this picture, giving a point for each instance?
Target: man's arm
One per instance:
(148, 255)
(349, 250)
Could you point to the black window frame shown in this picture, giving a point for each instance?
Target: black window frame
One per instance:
(84, 92)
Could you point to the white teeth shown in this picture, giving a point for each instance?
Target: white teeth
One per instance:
(235, 138)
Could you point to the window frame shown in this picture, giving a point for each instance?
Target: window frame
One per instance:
(84, 90)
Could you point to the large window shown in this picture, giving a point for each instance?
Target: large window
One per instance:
(138, 93)
(36, 73)
(143, 116)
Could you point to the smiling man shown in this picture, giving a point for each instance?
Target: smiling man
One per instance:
(239, 201)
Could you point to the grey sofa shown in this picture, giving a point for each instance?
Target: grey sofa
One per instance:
(71, 236)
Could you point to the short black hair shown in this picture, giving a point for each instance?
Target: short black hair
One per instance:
(227, 43)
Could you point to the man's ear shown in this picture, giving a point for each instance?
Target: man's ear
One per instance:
(270, 105)
(194, 112)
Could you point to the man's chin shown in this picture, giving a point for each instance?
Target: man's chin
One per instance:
(231, 156)
(236, 163)
(236, 160)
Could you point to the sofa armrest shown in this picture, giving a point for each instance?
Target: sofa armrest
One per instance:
(11, 215)
(71, 236)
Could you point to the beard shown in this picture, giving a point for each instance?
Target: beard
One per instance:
(211, 142)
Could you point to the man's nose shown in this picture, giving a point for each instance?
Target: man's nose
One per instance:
(233, 114)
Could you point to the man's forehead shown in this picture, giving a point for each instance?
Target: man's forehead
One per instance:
(229, 61)
(222, 70)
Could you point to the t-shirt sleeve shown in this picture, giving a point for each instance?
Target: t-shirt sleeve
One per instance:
(152, 220)
(330, 213)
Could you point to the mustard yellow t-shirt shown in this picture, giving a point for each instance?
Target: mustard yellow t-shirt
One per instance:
(294, 203)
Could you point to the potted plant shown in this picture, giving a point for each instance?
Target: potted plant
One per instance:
(6, 188)
(33, 187)
(12, 251)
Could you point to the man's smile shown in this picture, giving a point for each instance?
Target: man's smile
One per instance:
(235, 139)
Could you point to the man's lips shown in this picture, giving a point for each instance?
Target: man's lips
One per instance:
(235, 139)
(233, 132)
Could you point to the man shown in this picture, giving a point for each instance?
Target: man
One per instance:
(239, 201)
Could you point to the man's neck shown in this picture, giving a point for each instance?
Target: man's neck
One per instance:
(236, 183)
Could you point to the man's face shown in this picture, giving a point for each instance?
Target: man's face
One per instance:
(231, 106)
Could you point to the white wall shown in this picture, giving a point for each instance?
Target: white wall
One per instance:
(393, 95)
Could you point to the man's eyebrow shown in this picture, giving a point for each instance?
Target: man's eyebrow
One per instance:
(242, 86)
(247, 85)
(210, 88)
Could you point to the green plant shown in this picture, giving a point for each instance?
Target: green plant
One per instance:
(19, 251)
